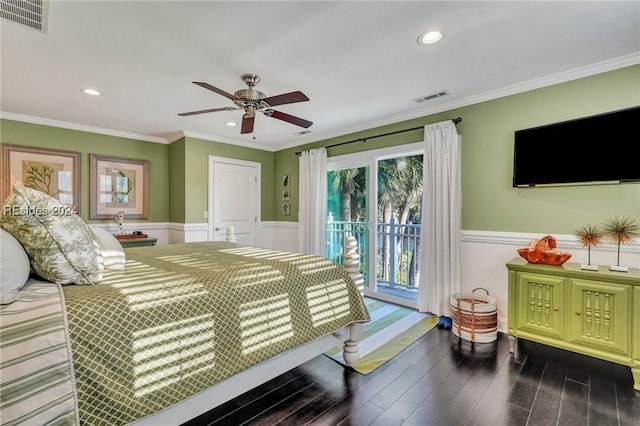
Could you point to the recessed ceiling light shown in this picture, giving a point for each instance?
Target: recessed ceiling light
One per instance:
(92, 92)
(429, 37)
(231, 124)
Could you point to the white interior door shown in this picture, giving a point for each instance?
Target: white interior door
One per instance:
(234, 199)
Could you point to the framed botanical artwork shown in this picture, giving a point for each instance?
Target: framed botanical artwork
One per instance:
(286, 196)
(286, 209)
(53, 172)
(286, 181)
(118, 185)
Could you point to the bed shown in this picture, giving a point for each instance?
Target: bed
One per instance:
(166, 334)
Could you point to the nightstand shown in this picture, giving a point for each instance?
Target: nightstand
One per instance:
(138, 242)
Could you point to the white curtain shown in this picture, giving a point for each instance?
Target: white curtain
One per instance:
(312, 212)
(441, 202)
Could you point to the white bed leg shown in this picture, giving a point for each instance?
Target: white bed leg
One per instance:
(231, 234)
(351, 353)
(351, 262)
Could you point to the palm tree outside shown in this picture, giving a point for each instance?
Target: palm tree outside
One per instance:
(398, 214)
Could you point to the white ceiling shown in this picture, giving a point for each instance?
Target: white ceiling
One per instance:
(358, 62)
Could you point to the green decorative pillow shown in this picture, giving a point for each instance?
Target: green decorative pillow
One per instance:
(58, 242)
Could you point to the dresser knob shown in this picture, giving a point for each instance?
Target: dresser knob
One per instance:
(578, 312)
(555, 308)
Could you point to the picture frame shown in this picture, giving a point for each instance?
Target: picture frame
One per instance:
(286, 209)
(54, 172)
(118, 184)
(286, 195)
(286, 181)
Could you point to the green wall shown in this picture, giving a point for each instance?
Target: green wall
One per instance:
(177, 176)
(490, 203)
(196, 172)
(35, 135)
(179, 171)
(181, 166)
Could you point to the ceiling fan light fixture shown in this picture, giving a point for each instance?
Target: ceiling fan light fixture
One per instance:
(91, 92)
(429, 37)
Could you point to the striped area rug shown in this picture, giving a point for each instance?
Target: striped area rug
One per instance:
(392, 329)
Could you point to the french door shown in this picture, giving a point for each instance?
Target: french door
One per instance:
(376, 196)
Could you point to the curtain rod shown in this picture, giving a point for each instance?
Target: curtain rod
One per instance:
(455, 121)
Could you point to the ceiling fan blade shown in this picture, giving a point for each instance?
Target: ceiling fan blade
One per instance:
(215, 89)
(247, 123)
(290, 118)
(286, 98)
(203, 111)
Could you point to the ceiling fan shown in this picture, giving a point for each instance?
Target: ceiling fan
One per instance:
(252, 101)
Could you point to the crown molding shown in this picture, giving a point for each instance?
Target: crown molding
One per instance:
(206, 137)
(563, 77)
(80, 127)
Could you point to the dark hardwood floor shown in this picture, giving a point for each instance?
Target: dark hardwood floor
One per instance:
(437, 381)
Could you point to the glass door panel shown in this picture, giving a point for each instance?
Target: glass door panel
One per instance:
(398, 226)
(347, 207)
(377, 198)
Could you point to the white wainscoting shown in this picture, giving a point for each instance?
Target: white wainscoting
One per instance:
(159, 230)
(165, 232)
(483, 253)
(273, 235)
(188, 232)
(283, 236)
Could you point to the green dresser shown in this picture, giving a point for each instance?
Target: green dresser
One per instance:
(596, 313)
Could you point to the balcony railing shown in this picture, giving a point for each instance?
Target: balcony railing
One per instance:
(337, 233)
(397, 251)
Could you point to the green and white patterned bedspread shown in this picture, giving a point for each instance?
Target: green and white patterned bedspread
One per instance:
(184, 317)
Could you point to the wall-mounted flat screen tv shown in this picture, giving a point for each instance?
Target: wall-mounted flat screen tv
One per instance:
(603, 148)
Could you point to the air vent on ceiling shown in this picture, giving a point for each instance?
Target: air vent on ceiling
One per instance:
(30, 13)
(429, 97)
(303, 132)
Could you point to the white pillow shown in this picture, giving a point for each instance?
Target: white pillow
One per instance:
(14, 267)
(110, 248)
(58, 242)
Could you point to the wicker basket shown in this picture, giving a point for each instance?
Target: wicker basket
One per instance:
(474, 316)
